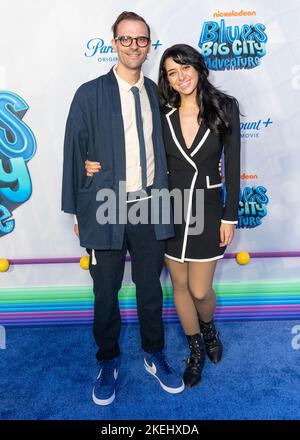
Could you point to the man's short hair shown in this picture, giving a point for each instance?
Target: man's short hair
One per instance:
(128, 16)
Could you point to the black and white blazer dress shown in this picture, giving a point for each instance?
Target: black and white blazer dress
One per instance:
(197, 168)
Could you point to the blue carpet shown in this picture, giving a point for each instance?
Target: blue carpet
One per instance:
(48, 373)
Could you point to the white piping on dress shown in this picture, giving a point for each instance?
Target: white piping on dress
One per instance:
(209, 186)
(138, 200)
(201, 142)
(203, 260)
(228, 222)
(94, 260)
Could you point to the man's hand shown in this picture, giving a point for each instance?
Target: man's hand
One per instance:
(226, 234)
(76, 230)
(92, 167)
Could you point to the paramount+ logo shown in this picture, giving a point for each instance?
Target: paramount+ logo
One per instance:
(99, 49)
(253, 129)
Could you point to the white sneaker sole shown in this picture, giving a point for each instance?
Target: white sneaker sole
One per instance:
(103, 402)
(108, 401)
(168, 389)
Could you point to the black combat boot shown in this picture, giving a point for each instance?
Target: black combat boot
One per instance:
(192, 373)
(213, 344)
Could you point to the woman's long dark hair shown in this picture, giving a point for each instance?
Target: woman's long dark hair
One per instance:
(212, 102)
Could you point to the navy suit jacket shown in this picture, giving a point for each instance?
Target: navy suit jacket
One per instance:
(95, 131)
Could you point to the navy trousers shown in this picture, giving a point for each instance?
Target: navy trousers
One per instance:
(147, 257)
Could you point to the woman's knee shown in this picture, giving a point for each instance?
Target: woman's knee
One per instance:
(200, 293)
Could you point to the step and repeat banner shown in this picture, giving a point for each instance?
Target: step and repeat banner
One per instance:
(50, 47)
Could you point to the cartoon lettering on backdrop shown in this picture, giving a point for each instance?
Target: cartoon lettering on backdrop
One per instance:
(232, 47)
(17, 147)
(252, 204)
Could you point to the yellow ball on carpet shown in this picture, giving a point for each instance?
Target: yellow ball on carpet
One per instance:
(242, 257)
(85, 262)
(4, 264)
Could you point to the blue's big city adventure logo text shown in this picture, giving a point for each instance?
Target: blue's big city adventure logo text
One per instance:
(17, 147)
(252, 206)
(232, 47)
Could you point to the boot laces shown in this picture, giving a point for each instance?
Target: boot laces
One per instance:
(210, 334)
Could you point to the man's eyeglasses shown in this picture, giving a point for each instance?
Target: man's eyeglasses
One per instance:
(127, 41)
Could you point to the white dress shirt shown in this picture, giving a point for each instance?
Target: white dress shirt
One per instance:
(132, 147)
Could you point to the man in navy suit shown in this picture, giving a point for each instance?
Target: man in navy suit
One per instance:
(115, 120)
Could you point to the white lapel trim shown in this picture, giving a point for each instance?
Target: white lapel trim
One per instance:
(201, 142)
(186, 156)
(192, 185)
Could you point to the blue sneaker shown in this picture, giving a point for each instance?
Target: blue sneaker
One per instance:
(157, 365)
(104, 391)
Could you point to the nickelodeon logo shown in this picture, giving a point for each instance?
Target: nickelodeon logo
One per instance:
(245, 176)
(233, 13)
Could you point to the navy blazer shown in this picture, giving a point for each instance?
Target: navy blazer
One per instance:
(95, 131)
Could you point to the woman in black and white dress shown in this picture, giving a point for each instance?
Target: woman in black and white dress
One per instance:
(199, 122)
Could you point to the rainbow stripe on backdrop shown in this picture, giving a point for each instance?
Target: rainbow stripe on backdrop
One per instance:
(74, 304)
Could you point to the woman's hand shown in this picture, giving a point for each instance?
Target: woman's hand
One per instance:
(226, 234)
(220, 168)
(92, 167)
